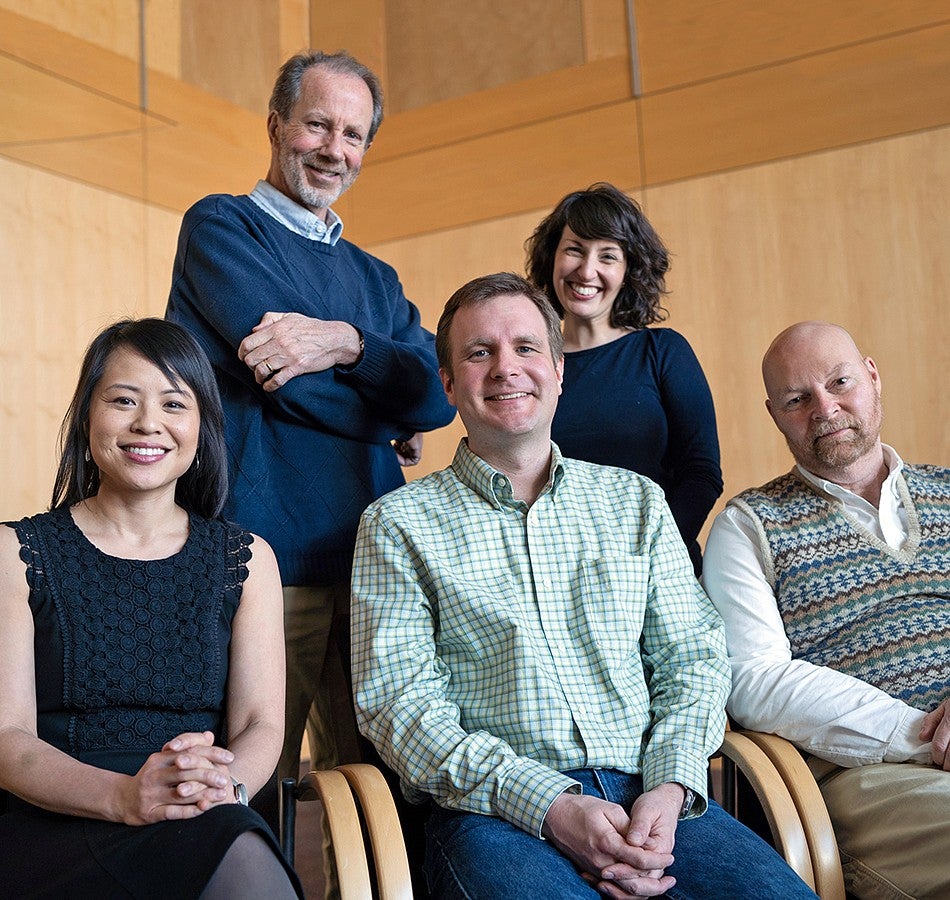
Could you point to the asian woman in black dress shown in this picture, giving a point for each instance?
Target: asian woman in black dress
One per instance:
(141, 655)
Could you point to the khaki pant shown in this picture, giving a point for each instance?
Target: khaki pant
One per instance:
(892, 823)
(319, 692)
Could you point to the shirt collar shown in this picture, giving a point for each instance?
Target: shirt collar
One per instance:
(888, 488)
(297, 218)
(494, 486)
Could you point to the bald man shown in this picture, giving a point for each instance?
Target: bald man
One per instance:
(834, 584)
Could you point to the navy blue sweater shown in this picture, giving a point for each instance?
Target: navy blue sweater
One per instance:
(642, 402)
(307, 459)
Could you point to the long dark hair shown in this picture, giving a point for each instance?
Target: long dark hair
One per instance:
(204, 487)
(604, 213)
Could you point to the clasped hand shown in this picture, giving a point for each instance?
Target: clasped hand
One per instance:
(621, 855)
(936, 729)
(284, 345)
(187, 777)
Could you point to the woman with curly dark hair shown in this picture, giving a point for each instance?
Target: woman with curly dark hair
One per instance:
(634, 396)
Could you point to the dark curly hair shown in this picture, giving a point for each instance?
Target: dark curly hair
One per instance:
(204, 487)
(604, 213)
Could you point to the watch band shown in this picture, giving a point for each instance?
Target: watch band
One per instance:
(240, 791)
(689, 801)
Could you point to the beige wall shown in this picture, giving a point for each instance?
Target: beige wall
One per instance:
(794, 157)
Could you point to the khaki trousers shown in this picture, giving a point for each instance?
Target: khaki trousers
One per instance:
(892, 823)
(319, 692)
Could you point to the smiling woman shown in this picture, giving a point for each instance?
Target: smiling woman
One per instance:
(141, 660)
(634, 396)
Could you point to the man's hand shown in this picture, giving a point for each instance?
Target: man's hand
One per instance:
(936, 729)
(409, 451)
(284, 345)
(653, 819)
(592, 833)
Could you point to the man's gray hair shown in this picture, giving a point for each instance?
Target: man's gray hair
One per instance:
(287, 87)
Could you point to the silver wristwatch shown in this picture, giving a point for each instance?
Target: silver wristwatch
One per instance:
(688, 800)
(240, 792)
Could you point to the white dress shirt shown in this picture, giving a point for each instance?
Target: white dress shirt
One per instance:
(827, 713)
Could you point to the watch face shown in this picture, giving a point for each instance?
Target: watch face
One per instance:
(688, 800)
(240, 792)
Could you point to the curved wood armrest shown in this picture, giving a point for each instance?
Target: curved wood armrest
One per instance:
(385, 834)
(775, 799)
(346, 834)
(801, 784)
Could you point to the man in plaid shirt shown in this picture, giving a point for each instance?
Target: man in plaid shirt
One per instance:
(532, 653)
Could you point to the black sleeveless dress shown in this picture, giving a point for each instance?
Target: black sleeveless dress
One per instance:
(129, 654)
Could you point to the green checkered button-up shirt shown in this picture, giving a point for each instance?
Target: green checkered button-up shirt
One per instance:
(496, 645)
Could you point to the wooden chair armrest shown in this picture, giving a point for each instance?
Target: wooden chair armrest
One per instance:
(801, 784)
(784, 821)
(382, 824)
(346, 833)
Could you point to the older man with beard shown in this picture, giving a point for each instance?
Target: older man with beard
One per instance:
(326, 374)
(834, 584)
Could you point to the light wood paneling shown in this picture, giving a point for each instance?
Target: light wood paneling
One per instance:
(859, 93)
(436, 51)
(512, 171)
(74, 60)
(508, 106)
(110, 24)
(682, 41)
(38, 107)
(232, 49)
(294, 34)
(73, 261)
(357, 26)
(211, 147)
(857, 236)
(606, 32)
(163, 36)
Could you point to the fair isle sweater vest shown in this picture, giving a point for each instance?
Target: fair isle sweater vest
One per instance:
(851, 602)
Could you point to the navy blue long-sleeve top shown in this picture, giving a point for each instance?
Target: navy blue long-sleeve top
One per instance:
(306, 459)
(642, 402)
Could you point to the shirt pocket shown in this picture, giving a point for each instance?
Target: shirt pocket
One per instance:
(613, 600)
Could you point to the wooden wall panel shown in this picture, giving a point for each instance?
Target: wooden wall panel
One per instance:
(436, 51)
(682, 41)
(606, 30)
(857, 236)
(74, 262)
(860, 93)
(294, 31)
(358, 26)
(110, 24)
(508, 106)
(509, 172)
(65, 56)
(232, 49)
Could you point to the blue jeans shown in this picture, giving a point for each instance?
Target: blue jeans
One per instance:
(486, 858)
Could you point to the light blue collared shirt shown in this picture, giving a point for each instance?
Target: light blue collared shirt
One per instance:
(297, 218)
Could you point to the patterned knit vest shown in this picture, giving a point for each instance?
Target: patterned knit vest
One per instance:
(851, 602)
